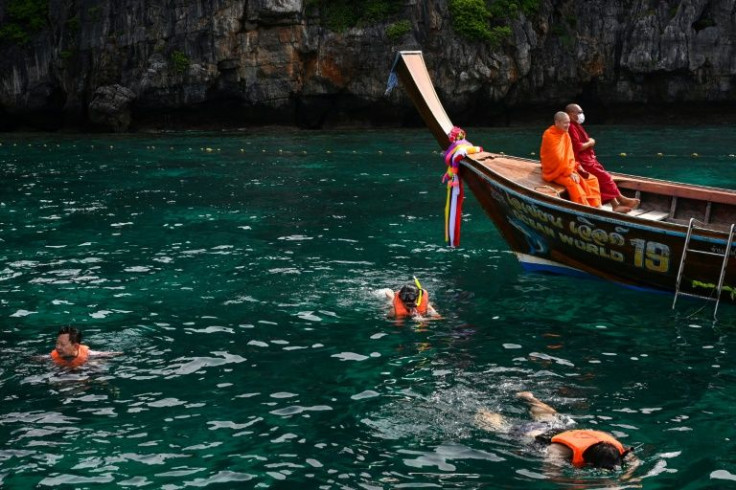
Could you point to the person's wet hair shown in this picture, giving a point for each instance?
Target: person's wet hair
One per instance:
(75, 336)
(408, 294)
(603, 455)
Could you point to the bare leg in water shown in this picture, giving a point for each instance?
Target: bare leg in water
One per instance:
(539, 410)
(495, 422)
(492, 421)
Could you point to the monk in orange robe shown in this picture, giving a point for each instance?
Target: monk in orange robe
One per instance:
(559, 165)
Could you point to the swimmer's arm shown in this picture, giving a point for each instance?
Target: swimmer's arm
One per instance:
(557, 459)
(558, 454)
(431, 315)
(389, 295)
(631, 463)
(99, 353)
(432, 312)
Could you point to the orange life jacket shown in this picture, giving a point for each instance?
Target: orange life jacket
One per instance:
(402, 310)
(580, 440)
(82, 355)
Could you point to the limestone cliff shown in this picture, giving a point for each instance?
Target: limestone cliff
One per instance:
(129, 64)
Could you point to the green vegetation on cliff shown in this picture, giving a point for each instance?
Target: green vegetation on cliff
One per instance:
(398, 29)
(23, 18)
(476, 20)
(339, 15)
(180, 61)
(487, 20)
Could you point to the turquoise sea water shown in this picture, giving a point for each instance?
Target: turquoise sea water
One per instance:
(237, 274)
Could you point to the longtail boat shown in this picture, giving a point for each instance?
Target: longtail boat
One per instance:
(680, 240)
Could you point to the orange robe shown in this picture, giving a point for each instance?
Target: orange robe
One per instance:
(558, 165)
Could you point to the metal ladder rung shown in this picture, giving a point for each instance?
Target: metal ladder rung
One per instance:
(685, 250)
(703, 252)
(693, 295)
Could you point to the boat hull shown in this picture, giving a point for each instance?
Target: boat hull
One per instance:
(554, 235)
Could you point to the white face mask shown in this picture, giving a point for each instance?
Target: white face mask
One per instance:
(581, 118)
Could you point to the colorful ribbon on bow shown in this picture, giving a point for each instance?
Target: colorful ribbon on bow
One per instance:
(459, 148)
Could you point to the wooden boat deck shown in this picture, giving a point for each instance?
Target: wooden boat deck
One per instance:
(660, 201)
(527, 173)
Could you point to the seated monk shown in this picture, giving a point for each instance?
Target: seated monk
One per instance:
(559, 165)
(582, 145)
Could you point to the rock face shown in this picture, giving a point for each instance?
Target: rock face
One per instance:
(110, 107)
(129, 64)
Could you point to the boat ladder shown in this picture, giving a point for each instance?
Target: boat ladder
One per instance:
(686, 249)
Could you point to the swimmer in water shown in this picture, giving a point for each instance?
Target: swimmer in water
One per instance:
(579, 447)
(411, 300)
(70, 352)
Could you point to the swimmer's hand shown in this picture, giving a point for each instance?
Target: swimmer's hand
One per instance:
(631, 463)
(97, 353)
(431, 315)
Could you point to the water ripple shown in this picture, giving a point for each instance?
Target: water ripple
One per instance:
(297, 409)
(55, 481)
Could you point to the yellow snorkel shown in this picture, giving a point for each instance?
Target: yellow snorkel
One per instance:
(419, 286)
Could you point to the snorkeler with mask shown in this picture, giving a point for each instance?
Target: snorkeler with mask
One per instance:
(411, 300)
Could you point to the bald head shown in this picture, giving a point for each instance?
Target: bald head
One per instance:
(574, 111)
(562, 121)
